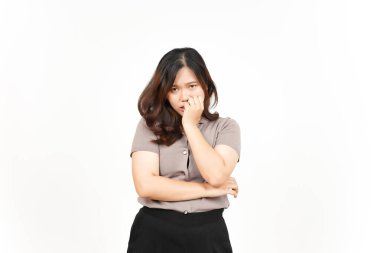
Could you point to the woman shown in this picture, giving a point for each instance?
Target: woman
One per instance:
(182, 159)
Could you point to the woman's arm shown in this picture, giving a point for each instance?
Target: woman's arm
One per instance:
(149, 184)
(214, 164)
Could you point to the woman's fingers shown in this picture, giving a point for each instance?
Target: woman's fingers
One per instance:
(191, 101)
(233, 187)
(196, 102)
(232, 192)
(199, 102)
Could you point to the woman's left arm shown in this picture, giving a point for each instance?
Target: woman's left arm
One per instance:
(214, 164)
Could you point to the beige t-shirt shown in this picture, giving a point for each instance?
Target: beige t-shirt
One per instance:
(177, 162)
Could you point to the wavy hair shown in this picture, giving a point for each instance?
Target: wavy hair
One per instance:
(153, 105)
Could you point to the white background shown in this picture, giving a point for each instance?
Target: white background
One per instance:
(300, 77)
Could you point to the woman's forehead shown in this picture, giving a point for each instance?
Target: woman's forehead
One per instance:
(185, 76)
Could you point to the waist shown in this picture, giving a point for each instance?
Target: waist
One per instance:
(191, 206)
(184, 217)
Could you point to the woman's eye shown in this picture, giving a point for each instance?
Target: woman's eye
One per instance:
(174, 89)
(193, 86)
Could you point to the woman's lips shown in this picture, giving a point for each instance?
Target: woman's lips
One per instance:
(182, 108)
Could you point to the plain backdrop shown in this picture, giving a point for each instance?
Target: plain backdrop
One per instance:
(301, 77)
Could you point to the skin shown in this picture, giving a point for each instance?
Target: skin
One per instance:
(215, 164)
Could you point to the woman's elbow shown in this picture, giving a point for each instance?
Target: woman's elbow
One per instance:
(217, 180)
(142, 194)
(143, 190)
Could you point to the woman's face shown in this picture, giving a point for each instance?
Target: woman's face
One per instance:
(185, 85)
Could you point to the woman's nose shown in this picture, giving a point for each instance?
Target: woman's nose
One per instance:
(184, 96)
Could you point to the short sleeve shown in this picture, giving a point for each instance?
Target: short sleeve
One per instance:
(229, 134)
(142, 140)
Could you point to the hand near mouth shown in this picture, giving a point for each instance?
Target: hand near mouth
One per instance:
(193, 111)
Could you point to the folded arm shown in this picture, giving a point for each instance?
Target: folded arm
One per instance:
(214, 164)
(148, 183)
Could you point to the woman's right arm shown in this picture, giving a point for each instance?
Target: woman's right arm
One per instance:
(149, 184)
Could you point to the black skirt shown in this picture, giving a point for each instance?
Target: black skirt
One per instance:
(165, 231)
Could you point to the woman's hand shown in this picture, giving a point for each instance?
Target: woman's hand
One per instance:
(229, 187)
(193, 111)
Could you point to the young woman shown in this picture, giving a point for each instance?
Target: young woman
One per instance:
(182, 159)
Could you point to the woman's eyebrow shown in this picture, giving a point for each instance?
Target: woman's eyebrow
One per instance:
(187, 83)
